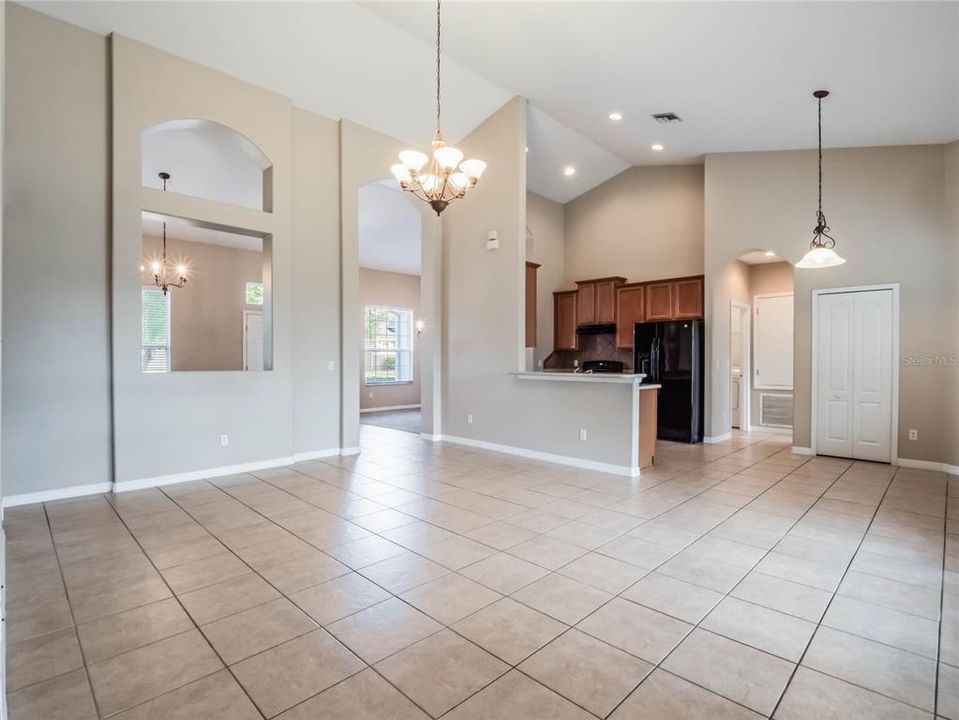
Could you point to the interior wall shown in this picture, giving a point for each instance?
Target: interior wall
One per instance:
(56, 423)
(316, 285)
(951, 226)
(206, 315)
(644, 224)
(887, 211)
(545, 220)
(765, 279)
(730, 282)
(378, 287)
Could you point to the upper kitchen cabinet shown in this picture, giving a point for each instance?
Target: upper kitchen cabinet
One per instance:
(564, 320)
(688, 298)
(659, 301)
(596, 300)
(631, 309)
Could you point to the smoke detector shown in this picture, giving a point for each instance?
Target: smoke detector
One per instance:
(666, 117)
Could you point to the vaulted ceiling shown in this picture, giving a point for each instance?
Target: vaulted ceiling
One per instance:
(740, 75)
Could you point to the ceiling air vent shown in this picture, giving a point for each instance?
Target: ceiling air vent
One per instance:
(666, 118)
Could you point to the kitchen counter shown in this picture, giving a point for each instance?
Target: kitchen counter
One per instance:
(642, 434)
(570, 376)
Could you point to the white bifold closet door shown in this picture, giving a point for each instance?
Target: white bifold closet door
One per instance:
(854, 370)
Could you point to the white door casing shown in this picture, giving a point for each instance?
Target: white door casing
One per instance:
(252, 340)
(855, 379)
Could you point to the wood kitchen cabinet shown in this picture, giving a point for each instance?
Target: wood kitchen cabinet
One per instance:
(631, 309)
(659, 301)
(688, 298)
(596, 300)
(564, 320)
(531, 269)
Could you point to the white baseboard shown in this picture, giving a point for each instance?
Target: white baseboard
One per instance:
(160, 480)
(799, 450)
(431, 438)
(772, 430)
(391, 407)
(717, 438)
(350, 450)
(315, 455)
(927, 465)
(548, 457)
(57, 494)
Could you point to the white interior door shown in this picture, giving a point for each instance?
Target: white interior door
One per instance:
(252, 340)
(736, 399)
(854, 375)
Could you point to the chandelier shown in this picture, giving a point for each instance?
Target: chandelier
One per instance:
(821, 253)
(447, 177)
(161, 268)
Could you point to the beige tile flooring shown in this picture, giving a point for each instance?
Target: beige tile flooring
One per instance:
(419, 580)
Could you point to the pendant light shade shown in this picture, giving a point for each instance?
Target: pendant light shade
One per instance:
(821, 253)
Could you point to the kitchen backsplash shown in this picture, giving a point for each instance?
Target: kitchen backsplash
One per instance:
(591, 347)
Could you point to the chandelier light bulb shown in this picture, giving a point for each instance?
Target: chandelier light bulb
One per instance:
(413, 160)
(155, 266)
(473, 168)
(181, 270)
(448, 157)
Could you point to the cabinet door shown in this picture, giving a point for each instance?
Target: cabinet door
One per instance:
(531, 304)
(586, 303)
(659, 301)
(564, 320)
(605, 302)
(688, 299)
(631, 309)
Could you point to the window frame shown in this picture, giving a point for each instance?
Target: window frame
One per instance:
(367, 349)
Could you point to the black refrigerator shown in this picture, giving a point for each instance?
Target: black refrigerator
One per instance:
(671, 355)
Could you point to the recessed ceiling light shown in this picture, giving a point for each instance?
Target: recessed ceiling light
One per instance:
(569, 171)
(769, 253)
(615, 116)
(657, 147)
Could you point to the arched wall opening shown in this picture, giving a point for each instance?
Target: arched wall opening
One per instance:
(751, 383)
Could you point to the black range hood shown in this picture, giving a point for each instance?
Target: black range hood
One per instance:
(596, 329)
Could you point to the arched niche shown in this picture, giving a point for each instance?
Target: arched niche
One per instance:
(208, 160)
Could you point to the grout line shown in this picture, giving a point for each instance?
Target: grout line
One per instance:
(942, 594)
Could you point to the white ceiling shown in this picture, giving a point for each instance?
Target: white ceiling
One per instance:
(389, 229)
(759, 257)
(739, 74)
(179, 229)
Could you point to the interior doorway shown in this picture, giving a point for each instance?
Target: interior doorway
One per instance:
(390, 273)
(739, 365)
(252, 340)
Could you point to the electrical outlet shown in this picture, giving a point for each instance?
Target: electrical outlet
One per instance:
(582, 433)
(224, 440)
(469, 419)
(913, 434)
(331, 365)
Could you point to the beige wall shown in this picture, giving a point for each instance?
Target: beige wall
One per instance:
(644, 224)
(545, 220)
(56, 420)
(886, 208)
(951, 226)
(206, 316)
(397, 290)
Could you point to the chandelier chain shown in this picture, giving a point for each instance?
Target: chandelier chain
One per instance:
(437, 67)
(820, 155)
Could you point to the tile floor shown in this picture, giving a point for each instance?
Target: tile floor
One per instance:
(405, 420)
(418, 580)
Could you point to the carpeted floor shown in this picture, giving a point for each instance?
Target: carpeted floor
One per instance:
(405, 420)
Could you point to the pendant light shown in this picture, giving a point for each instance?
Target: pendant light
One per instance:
(447, 177)
(161, 275)
(821, 253)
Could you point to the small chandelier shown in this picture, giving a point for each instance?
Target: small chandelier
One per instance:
(821, 253)
(160, 268)
(447, 177)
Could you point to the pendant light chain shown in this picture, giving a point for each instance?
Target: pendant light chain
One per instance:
(820, 155)
(437, 68)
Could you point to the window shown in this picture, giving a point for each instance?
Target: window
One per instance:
(155, 331)
(254, 293)
(389, 345)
